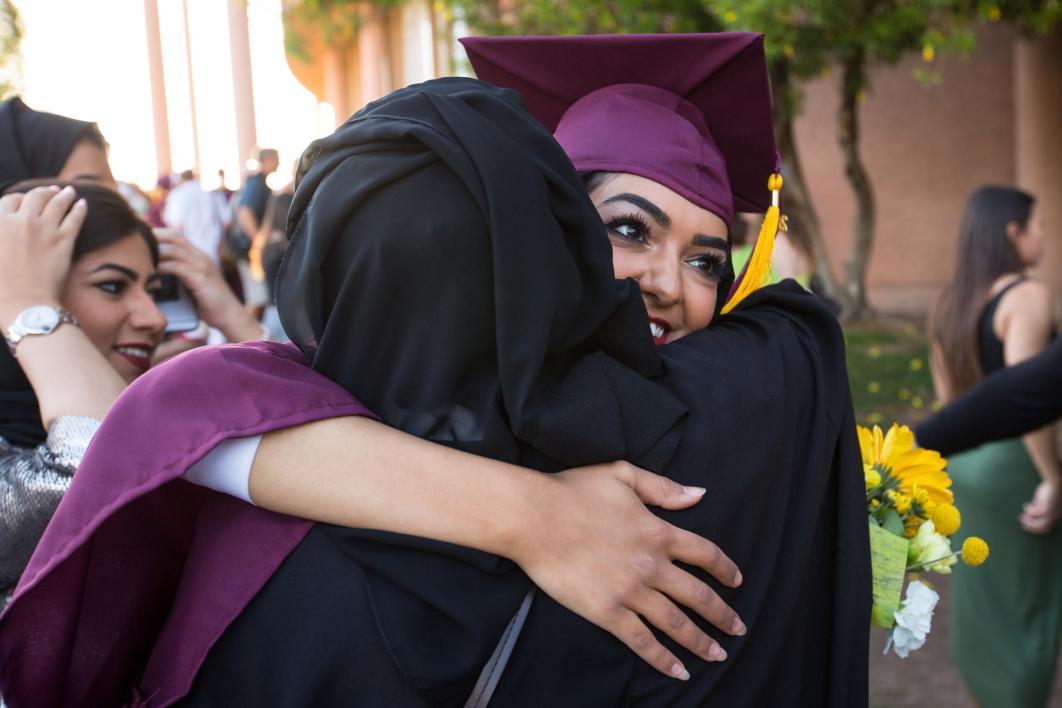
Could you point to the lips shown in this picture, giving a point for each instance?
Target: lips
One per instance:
(659, 329)
(139, 355)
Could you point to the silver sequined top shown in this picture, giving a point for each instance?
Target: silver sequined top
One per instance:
(32, 482)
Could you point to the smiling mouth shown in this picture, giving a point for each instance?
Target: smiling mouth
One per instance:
(140, 357)
(659, 330)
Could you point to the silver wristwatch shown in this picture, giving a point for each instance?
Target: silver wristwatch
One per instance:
(40, 319)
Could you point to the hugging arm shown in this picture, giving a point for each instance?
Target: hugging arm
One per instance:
(584, 536)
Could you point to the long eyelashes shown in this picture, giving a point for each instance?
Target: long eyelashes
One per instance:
(630, 226)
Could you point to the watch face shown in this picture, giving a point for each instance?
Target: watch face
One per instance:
(39, 319)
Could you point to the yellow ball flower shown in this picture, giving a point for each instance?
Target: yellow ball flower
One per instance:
(974, 551)
(946, 518)
(872, 476)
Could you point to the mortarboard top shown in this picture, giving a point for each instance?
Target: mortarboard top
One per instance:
(690, 111)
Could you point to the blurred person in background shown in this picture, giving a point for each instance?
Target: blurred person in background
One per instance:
(1005, 623)
(37, 144)
(253, 221)
(157, 197)
(194, 213)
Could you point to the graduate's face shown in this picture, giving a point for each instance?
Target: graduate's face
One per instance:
(110, 291)
(674, 249)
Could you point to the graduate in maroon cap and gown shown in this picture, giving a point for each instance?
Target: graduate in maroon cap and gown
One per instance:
(447, 269)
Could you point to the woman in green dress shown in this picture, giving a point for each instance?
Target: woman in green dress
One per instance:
(1006, 617)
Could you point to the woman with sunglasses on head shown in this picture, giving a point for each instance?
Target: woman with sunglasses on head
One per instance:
(532, 357)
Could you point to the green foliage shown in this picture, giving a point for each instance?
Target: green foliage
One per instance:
(338, 21)
(889, 373)
(10, 43)
(587, 16)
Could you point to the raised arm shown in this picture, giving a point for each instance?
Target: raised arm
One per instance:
(584, 536)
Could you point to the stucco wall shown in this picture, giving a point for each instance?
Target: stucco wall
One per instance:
(926, 149)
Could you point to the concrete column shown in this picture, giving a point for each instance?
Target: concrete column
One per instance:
(191, 88)
(1038, 140)
(163, 156)
(242, 87)
(373, 58)
(336, 83)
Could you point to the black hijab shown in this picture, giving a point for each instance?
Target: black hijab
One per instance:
(447, 268)
(32, 144)
(37, 144)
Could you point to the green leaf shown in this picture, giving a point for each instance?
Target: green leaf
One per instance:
(892, 523)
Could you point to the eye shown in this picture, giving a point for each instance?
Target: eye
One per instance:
(113, 287)
(711, 265)
(630, 227)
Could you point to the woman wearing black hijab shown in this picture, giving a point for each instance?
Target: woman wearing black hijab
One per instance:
(462, 339)
(36, 144)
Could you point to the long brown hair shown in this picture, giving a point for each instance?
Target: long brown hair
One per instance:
(985, 254)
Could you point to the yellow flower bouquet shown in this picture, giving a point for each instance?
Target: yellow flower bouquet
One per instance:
(912, 516)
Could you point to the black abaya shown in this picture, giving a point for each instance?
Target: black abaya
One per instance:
(447, 268)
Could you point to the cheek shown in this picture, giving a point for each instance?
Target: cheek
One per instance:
(627, 263)
(100, 318)
(699, 299)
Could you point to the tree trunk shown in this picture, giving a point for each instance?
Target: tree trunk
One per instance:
(852, 83)
(796, 201)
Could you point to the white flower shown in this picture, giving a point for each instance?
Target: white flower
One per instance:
(914, 619)
(930, 547)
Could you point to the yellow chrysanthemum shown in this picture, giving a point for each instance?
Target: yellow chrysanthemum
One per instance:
(974, 551)
(895, 455)
(946, 518)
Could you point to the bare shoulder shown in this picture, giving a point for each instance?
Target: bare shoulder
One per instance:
(1025, 308)
(1028, 295)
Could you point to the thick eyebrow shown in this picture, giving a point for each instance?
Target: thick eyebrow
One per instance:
(131, 274)
(711, 242)
(645, 205)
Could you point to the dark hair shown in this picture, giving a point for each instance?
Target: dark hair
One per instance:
(985, 253)
(187, 175)
(109, 217)
(265, 153)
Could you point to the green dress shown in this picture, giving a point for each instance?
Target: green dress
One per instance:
(1006, 616)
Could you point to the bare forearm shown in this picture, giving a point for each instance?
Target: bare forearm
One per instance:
(69, 375)
(1041, 448)
(248, 224)
(358, 473)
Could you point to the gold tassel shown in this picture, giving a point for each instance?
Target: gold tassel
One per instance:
(757, 272)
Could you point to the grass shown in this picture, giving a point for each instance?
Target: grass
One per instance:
(889, 372)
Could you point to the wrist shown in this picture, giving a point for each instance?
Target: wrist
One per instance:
(523, 516)
(10, 309)
(239, 325)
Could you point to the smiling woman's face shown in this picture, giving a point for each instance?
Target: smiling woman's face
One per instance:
(674, 249)
(111, 293)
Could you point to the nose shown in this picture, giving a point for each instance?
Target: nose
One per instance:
(662, 278)
(145, 316)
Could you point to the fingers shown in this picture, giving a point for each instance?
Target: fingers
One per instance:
(687, 590)
(9, 203)
(666, 616)
(57, 207)
(660, 491)
(70, 226)
(633, 632)
(34, 201)
(692, 549)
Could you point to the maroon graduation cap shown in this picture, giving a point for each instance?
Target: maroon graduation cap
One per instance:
(690, 111)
